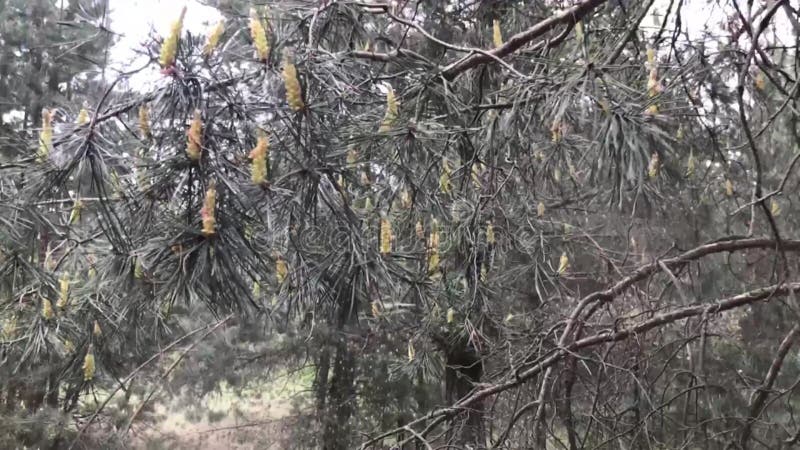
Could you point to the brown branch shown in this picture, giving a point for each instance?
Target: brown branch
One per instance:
(567, 16)
(559, 354)
(387, 9)
(607, 337)
(390, 56)
(672, 263)
(760, 395)
(628, 36)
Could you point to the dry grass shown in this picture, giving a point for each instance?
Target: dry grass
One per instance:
(258, 417)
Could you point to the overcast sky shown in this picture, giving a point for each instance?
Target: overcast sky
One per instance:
(134, 19)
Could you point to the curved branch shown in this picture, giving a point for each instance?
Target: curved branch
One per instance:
(567, 16)
(564, 348)
(760, 396)
(607, 337)
(728, 245)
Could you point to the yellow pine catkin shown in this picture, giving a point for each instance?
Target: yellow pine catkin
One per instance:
(497, 35)
(433, 261)
(691, 164)
(652, 83)
(451, 315)
(556, 132)
(654, 166)
(69, 347)
(477, 170)
(352, 156)
(563, 263)
(89, 365)
(386, 236)
(540, 209)
(138, 269)
(405, 199)
(579, 31)
(144, 122)
(96, 330)
(433, 247)
(75, 214)
(728, 187)
(213, 38)
(259, 35)
(774, 208)
(294, 94)
(83, 117)
(376, 309)
(207, 213)
(490, 238)
(10, 328)
(46, 135)
(169, 48)
(392, 109)
(411, 352)
(256, 289)
(63, 291)
(760, 82)
(281, 269)
(47, 309)
(653, 87)
(651, 56)
(444, 178)
(194, 137)
(259, 155)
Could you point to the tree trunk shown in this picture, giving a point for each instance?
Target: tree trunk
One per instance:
(11, 396)
(341, 399)
(464, 369)
(565, 410)
(321, 379)
(53, 385)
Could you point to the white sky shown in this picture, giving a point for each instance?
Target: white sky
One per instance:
(135, 19)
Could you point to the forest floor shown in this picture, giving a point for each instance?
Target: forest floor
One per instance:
(257, 417)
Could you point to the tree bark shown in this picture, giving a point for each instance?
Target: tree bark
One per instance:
(464, 369)
(566, 403)
(341, 399)
(53, 385)
(321, 379)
